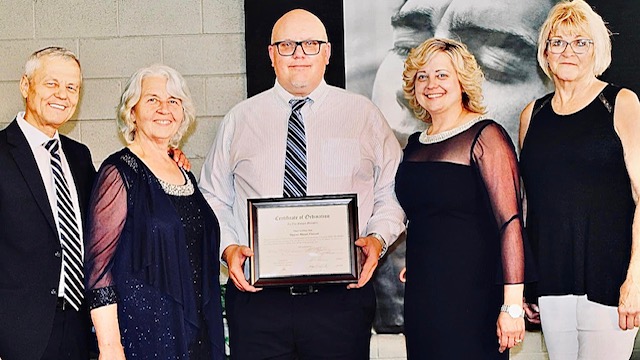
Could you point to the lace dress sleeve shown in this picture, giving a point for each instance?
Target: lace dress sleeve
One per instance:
(107, 215)
(497, 164)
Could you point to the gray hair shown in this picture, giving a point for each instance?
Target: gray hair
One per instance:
(33, 63)
(176, 87)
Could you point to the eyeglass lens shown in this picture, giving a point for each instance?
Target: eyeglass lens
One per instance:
(309, 47)
(579, 46)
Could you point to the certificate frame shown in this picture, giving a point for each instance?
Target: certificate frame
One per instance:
(298, 233)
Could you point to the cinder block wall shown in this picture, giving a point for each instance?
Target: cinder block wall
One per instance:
(202, 39)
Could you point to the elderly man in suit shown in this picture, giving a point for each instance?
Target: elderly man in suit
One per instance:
(45, 184)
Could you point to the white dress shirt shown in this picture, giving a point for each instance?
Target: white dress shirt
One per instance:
(36, 139)
(350, 149)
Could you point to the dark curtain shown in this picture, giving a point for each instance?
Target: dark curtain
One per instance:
(260, 16)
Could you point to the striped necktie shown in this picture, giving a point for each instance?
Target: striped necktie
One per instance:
(295, 162)
(68, 232)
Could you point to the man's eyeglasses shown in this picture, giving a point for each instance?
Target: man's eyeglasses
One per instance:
(288, 47)
(579, 46)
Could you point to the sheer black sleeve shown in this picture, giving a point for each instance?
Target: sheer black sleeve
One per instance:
(496, 161)
(107, 215)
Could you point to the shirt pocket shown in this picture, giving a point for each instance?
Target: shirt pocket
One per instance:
(340, 157)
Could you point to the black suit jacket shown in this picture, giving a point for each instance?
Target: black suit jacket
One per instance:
(29, 247)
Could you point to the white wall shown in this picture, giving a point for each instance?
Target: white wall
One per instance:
(202, 39)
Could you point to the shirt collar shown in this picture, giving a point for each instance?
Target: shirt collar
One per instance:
(316, 95)
(34, 136)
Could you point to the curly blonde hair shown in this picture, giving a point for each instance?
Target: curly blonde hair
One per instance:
(469, 74)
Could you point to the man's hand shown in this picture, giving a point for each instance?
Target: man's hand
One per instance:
(629, 308)
(235, 256)
(371, 249)
(180, 158)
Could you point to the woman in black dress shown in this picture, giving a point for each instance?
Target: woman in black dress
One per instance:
(152, 253)
(580, 164)
(459, 186)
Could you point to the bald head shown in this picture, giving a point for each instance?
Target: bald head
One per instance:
(299, 73)
(300, 22)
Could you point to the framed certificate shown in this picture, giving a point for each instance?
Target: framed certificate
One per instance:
(306, 240)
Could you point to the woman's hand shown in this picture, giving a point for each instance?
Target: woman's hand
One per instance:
(629, 307)
(105, 320)
(510, 331)
(532, 312)
(111, 352)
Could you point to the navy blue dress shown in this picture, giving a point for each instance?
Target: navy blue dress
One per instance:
(153, 250)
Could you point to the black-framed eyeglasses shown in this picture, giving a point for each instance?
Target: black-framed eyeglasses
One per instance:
(288, 47)
(579, 46)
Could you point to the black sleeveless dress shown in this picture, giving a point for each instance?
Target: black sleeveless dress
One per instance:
(580, 207)
(461, 196)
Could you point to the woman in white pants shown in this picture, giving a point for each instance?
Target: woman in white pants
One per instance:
(580, 162)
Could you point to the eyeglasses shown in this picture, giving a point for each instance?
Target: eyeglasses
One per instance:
(288, 47)
(558, 46)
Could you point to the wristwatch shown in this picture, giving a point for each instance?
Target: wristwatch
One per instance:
(382, 242)
(515, 311)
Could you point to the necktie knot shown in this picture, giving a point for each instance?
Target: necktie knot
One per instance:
(52, 146)
(297, 104)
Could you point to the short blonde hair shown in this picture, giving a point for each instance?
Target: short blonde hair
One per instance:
(469, 74)
(576, 17)
(176, 87)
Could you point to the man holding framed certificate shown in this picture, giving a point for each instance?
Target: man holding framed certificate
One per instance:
(294, 166)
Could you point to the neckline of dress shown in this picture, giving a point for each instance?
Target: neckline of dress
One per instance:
(185, 189)
(598, 96)
(432, 139)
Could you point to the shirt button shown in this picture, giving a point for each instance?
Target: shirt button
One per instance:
(57, 254)
(54, 291)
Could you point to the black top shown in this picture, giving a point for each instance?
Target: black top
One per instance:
(464, 240)
(580, 207)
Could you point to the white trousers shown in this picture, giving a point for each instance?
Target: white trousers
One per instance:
(575, 328)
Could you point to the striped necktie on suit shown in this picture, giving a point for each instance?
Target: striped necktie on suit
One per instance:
(68, 233)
